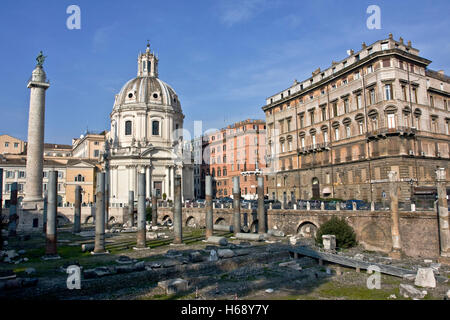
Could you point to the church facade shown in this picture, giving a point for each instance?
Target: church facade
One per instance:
(146, 136)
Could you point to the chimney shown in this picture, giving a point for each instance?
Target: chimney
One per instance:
(409, 43)
(364, 45)
(401, 40)
(391, 36)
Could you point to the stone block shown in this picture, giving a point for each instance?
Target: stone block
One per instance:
(408, 291)
(276, 233)
(174, 286)
(425, 278)
(329, 241)
(225, 253)
(222, 241)
(195, 257)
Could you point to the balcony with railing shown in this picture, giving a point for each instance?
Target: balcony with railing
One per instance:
(384, 132)
(318, 147)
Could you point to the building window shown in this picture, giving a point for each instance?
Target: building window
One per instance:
(6, 144)
(79, 178)
(385, 46)
(16, 145)
(372, 96)
(356, 75)
(301, 121)
(361, 128)
(312, 117)
(289, 125)
(128, 128)
(303, 142)
(155, 128)
(386, 63)
(431, 101)
(282, 147)
(335, 109)
(324, 114)
(369, 69)
(96, 153)
(347, 131)
(336, 134)
(388, 91)
(414, 90)
(325, 136)
(21, 174)
(447, 127)
(404, 93)
(358, 101)
(346, 109)
(290, 145)
(313, 138)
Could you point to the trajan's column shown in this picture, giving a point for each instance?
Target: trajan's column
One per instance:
(38, 84)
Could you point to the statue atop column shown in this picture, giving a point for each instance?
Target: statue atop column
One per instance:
(40, 59)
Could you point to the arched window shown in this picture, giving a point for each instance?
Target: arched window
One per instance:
(128, 128)
(79, 178)
(155, 128)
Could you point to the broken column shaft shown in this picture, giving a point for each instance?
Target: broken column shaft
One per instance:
(209, 208)
(154, 208)
(131, 208)
(395, 223)
(444, 233)
(262, 224)
(236, 205)
(100, 214)
(50, 247)
(77, 211)
(141, 231)
(177, 216)
(12, 225)
(44, 213)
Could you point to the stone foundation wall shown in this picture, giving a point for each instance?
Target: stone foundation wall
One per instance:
(418, 230)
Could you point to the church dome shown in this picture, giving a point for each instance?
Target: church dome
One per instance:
(147, 89)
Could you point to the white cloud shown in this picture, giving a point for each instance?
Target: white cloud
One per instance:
(236, 11)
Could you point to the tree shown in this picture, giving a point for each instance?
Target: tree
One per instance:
(345, 235)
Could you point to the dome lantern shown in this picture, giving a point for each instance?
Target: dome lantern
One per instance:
(147, 63)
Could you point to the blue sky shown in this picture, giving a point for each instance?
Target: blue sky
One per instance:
(223, 57)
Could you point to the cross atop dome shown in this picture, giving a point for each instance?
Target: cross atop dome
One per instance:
(147, 63)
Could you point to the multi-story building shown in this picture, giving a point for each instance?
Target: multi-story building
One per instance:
(11, 145)
(89, 146)
(339, 132)
(200, 166)
(237, 150)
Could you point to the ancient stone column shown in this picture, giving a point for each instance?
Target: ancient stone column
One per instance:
(177, 216)
(77, 211)
(50, 247)
(100, 214)
(131, 208)
(262, 223)
(236, 205)
(209, 209)
(141, 224)
(395, 223)
(154, 208)
(12, 225)
(444, 233)
(44, 212)
(35, 147)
